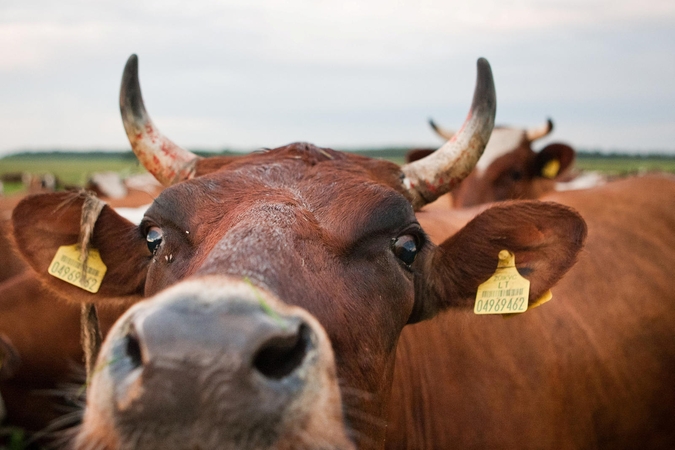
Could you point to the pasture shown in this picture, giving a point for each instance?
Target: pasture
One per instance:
(73, 169)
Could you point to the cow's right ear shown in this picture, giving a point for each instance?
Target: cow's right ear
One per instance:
(545, 238)
(42, 223)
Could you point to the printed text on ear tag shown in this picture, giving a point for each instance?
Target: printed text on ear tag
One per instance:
(506, 291)
(67, 266)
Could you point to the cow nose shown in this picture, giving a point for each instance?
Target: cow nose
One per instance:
(188, 343)
(211, 363)
(284, 353)
(278, 348)
(132, 348)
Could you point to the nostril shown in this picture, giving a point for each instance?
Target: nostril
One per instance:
(280, 356)
(133, 347)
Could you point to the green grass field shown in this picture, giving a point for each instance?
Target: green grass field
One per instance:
(71, 169)
(624, 165)
(74, 169)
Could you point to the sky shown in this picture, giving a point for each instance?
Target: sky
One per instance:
(246, 74)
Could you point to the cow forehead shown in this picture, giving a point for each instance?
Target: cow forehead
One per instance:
(502, 141)
(336, 192)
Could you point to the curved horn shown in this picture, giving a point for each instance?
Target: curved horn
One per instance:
(533, 134)
(166, 161)
(430, 177)
(445, 134)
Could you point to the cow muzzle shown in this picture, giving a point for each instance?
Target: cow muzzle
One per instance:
(215, 363)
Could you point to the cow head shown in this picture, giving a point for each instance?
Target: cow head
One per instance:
(332, 233)
(509, 168)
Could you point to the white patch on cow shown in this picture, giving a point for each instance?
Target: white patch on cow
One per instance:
(586, 180)
(134, 215)
(143, 182)
(109, 183)
(502, 141)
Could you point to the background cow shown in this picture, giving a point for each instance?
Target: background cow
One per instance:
(43, 332)
(509, 167)
(40, 331)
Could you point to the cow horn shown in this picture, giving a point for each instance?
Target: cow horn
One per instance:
(445, 134)
(430, 177)
(166, 161)
(539, 132)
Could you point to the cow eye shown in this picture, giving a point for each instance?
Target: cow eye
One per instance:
(154, 239)
(516, 175)
(405, 248)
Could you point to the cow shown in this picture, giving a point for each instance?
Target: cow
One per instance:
(346, 239)
(509, 168)
(43, 356)
(332, 233)
(41, 341)
(39, 337)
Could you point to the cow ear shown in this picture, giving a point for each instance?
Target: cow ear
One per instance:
(553, 160)
(43, 223)
(545, 238)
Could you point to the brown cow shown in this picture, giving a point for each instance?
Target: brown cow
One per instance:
(46, 353)
(277, 219)
(43, 333)
(509, 168)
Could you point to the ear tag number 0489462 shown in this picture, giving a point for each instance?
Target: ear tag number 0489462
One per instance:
(67, 266)
(506, 291)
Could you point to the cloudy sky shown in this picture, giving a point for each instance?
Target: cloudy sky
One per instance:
(250, 73)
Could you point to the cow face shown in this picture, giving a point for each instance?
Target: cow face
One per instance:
(518, 174)
(332, 233)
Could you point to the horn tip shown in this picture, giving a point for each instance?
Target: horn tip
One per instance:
(131, 100)
(549, 121)
(131, 67)
(484, 95)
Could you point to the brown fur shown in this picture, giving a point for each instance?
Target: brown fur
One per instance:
(593, 368)
(11, 263)
(45, 333)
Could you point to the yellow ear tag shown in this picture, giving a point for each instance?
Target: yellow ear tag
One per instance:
(551, 169)
(506, 291)
(67, 266)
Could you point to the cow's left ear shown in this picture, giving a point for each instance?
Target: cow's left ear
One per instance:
(545, 238)
(553, 160)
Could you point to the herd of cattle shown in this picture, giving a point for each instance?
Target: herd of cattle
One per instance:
(302, 297)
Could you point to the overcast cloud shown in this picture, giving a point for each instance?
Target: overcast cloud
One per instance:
(247, 74)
